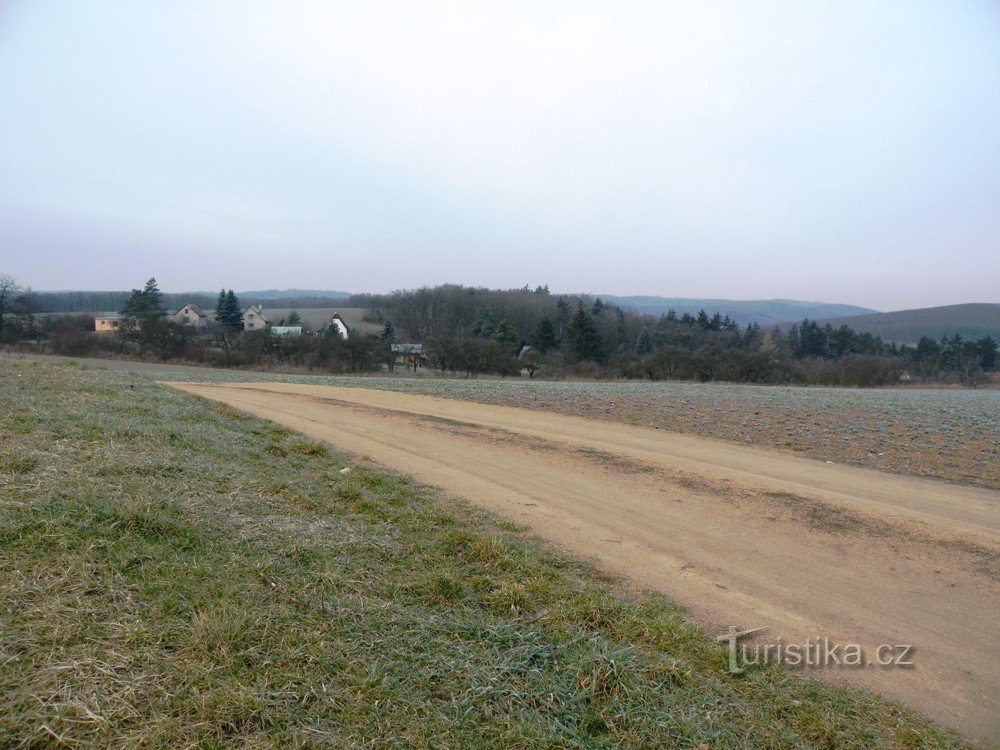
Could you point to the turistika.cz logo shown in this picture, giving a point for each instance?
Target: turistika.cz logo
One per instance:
(813, 653)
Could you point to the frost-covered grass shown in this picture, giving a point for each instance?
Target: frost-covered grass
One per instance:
(175, 574)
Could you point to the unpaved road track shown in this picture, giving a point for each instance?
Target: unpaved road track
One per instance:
(740, 535)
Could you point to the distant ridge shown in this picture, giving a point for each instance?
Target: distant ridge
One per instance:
(295, 294)
(972, 321)
(764, 312)
(68, 301)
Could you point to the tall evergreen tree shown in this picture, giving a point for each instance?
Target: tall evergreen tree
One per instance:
(143, 321)
(545, 336)
(505, 335)
(584, 336)
(220, 306)
(751, 336)
(644, 344)
(146, 304)
(811, 340)
(388, 332)
(562, 314)
(987, 350)
(232, 312)
(485, 326)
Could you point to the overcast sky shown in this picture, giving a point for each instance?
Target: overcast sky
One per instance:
(835, 151)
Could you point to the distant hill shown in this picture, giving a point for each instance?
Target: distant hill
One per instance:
(76, 301)
(110, 301)
(973, 321)
(294, 294)
(764, 312)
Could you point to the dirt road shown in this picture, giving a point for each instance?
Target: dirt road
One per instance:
(741, 536)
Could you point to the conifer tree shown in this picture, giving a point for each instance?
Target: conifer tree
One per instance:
(584, 336)
(388, 332)
(545, 336)
(505, 335)
(644, 344)
(987, 350)
(232, 313)
(142, 318)
(220, 306)
(485, 326)
(146, 304)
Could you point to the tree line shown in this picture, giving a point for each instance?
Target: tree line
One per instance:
(512, 332)
(479, 330)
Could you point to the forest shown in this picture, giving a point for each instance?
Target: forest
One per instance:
(474, 330)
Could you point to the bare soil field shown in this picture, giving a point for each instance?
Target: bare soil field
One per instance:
(950, 434)
(742, 536)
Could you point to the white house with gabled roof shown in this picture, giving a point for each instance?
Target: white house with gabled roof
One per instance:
(338, 323)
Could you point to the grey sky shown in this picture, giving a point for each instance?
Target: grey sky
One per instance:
(847, 152)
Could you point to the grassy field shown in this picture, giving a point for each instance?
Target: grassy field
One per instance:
(176, 574)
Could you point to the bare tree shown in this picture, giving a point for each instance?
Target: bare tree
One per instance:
(26, 308)
(9, 291)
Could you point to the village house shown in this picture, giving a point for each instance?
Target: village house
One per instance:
(106, 323)
(191, 316)
(254, 319)
(113, 322)
(340, 325)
